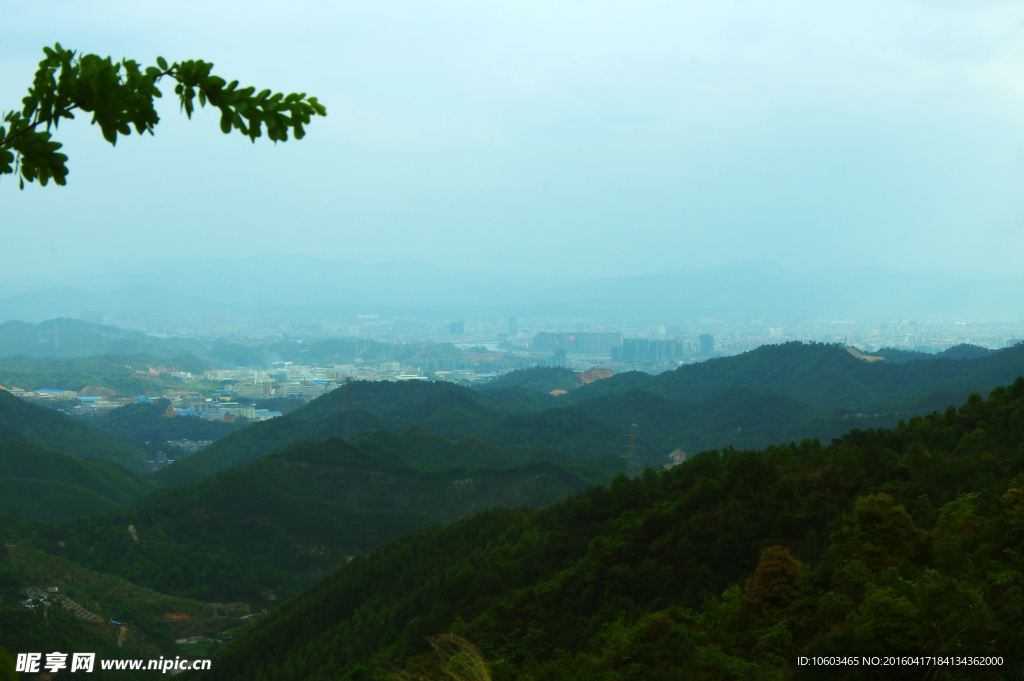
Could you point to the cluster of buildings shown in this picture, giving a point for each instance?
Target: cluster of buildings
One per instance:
(624, 350)
(654, 348)
(219, 410)
(190, 446)
(86, 405)
(288, 380)
(54, 394)
(646, 350)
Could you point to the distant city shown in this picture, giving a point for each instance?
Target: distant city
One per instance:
(475, 351)
(584, 344)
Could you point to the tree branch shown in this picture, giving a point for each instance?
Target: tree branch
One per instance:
(29, 128)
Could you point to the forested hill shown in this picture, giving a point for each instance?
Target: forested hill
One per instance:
(595, 427)
(39, 484)
(50, 429)
(74, 338)
(824, 375)
(365, 406)
(542, 379)
(773, 394)
(962, 351)
(902, 541)
(276, 524)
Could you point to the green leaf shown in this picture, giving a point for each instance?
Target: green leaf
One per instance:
(162, 63)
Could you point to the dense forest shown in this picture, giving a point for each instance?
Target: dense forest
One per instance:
(268, 528)
(730, 565)
(772, 394)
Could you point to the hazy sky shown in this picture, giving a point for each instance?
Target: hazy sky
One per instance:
(591, 137)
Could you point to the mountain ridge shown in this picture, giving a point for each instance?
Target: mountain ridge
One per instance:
(811, 389)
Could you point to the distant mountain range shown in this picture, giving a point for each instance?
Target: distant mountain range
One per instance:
(70, 337)
(773, 394)
(298, 288)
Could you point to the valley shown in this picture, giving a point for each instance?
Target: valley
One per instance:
(502, 490)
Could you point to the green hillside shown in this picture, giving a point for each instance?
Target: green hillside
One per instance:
(39, 484)
(437, 407)
(422, 450)
(50, 429)
(275, 524)
(824, 375)
(902, 541)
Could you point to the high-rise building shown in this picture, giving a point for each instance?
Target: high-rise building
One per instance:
(707, 344)
(456, 328)
(648, 350)
(547, 340)
(513, 326)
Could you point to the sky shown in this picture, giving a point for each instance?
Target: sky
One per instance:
(538, 138)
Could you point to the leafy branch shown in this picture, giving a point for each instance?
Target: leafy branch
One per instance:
(120, 95)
